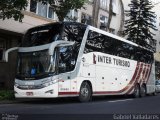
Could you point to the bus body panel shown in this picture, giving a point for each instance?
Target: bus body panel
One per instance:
(51, 91)
(151, 80)
(109, 77)
(64, 83)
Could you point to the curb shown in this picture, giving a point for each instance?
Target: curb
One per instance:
(8, 101)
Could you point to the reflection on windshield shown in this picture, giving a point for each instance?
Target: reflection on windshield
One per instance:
(35, 64)
(42, 35)
(67, 59)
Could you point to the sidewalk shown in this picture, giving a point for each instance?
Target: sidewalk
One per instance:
(9, 101)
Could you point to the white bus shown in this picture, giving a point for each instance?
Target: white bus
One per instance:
(71, 59)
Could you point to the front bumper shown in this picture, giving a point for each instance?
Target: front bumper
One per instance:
(47, 92)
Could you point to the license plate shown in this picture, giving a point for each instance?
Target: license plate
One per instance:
(29, 83)
(29, 93)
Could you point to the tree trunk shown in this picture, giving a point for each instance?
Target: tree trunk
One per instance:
(95, 12)
(61, 19)
(122, 19)
(110, 15)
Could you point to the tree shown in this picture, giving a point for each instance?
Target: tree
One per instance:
(141, 21)
(65, 6)
(110, 14)
(12, 8)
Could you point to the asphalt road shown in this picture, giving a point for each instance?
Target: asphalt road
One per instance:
(111, 106)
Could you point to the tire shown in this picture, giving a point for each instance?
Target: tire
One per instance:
(136, 93)
(143, 91)
(85, 93)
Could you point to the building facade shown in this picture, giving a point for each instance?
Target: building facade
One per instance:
(11, 33)
(156, 8)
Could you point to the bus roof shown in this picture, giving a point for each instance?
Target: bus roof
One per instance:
(60, 23)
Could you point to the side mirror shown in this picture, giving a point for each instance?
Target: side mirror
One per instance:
(8, 51)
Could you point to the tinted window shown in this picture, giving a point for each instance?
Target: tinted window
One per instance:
(124, 50)
(42, 35)
(67, 59)
(97, 42)
(75, 34)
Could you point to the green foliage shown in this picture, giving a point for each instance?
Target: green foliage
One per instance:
(6, 95)
(12, 8)
(141, 20)
(64, 6)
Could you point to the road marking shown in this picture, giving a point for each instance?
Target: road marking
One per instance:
(120, 100)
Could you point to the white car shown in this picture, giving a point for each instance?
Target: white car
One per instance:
(157, 83)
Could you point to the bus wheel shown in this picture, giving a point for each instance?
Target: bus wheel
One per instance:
(136, 93)
(85, 93)
(143, 91)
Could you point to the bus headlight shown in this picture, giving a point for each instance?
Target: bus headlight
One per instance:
(15, 84)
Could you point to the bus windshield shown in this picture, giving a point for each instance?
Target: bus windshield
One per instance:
(42, 35)
(35, 65)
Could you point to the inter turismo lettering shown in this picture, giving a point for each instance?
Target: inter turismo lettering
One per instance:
(104, 59)
(123, 63)
(117, 62)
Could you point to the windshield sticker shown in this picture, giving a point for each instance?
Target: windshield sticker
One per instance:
(33, 71)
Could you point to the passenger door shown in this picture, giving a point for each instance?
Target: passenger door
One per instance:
(64, 69)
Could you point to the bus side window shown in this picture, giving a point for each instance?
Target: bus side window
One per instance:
(109, 46)
(97, 42)
(140, 55)
(67, 59)
(148, 57)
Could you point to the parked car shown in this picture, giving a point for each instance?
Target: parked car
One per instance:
(157, 83)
